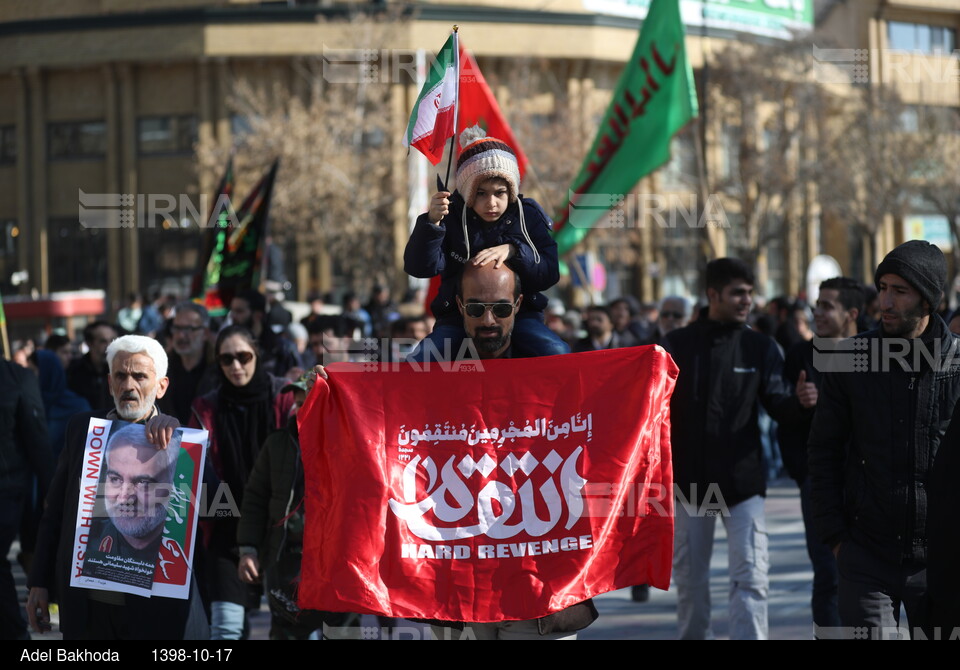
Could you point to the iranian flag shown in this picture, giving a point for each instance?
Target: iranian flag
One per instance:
(433, 118)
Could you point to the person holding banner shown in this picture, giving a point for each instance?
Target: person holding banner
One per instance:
(137, 378)
(489, 298)
(485, 221)
(270, 531)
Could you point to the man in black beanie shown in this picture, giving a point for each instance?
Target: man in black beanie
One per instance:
(881, 416)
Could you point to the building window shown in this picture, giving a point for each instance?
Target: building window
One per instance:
(78, 256)
(730, 153)
(173, 252)
(681, 171)
(11, 233)
(240, 126)
(920, 37)
(77, 139)
(8, 144)
(166, 134)
(931, 119)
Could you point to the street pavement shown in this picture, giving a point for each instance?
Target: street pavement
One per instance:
(623, 619)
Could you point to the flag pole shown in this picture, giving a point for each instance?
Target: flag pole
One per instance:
(3, 331)
(456, 104)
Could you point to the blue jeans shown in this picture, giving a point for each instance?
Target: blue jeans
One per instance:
(531, 338)
(826, 579)
(226, 620)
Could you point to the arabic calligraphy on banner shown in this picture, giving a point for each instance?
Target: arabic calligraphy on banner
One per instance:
(441, 492)
(473, 435)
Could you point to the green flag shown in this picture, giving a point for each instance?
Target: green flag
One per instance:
(654, 99)
(238, 255)
(214, 235)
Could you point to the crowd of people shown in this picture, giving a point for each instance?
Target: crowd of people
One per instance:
(870, 452)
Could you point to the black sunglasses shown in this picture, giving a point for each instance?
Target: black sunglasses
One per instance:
(501, 310)
(226, 360)
(672, 315)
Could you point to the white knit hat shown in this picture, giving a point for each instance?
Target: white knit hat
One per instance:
(483, 158)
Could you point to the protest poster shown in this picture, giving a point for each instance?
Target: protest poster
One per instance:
(137, 514)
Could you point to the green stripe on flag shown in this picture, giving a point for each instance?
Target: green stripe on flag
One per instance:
(433, 111)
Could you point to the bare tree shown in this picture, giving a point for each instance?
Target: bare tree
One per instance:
(769, 88)
(333, 190)
(868, 162)
(939, 172)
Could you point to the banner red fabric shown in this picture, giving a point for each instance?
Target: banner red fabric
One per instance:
(478, 107)
(487, 490)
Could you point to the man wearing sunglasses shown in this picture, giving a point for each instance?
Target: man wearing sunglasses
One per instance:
(190, 373)
(488, 302)
(488, 298)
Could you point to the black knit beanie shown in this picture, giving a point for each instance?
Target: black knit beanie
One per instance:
(922, 265)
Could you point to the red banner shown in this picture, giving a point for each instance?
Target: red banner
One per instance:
(487, 490)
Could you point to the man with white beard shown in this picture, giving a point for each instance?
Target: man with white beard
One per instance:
(138, 368)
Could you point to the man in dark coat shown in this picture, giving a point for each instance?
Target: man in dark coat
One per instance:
(24, 451)
(87, 375)
(138, 367)
(839, 304)
(878, 428)
(483, 289)
(726, 371)
(278, 355)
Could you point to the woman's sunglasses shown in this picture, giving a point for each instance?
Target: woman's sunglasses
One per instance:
(501, 310)
(226, 360)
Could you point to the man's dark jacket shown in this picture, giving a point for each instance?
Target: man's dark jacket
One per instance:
(943, 532)
(87, 380)
(24, 448)
(793, 438)
(725, 371)
(873, 443)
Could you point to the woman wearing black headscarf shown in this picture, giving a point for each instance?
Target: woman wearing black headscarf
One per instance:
(239, 416)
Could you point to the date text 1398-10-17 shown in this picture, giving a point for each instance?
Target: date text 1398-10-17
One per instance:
(201, 655)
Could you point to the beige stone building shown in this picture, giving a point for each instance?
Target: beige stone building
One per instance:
(110, 97)
(909, 46)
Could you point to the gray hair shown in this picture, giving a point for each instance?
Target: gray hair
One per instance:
(298, 331)
(196, 308)
(677, 298)
(135, 435)
(139, 344)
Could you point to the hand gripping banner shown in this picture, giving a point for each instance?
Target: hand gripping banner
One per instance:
(487, 490)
